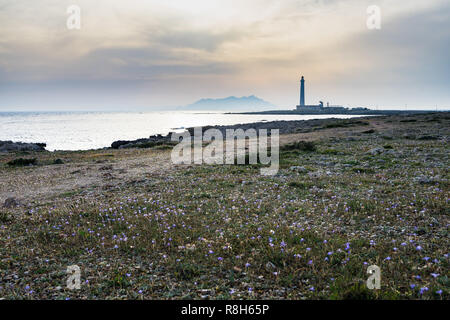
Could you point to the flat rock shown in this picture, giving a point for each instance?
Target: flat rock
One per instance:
(375, 151)
(270, 266)
(298, 169)
(426, 180)
(10, 146)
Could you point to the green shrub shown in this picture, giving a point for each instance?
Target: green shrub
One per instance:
(21, 162)
(300, 145)
(4, 217)
(187, 271)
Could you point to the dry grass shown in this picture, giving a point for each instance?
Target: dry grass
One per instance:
(140, 228)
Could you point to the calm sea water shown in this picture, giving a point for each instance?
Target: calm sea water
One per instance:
(92, 130)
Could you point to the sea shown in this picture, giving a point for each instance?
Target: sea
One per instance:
(96, 130)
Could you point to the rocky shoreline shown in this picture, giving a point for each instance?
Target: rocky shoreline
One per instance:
(10, 146)
(141, 143)
(287, 126)
(284, 127)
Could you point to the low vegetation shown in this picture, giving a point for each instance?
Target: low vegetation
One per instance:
(226, 232)
(20, 162)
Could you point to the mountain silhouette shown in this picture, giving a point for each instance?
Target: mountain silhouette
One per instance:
(230, 103)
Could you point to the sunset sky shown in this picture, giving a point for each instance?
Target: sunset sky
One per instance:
(145, 55)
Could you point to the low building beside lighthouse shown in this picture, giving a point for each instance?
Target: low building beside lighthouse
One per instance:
(303, 108)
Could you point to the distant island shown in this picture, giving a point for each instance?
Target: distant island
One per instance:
(230, 103)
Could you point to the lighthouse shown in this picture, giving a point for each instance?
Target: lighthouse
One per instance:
(302, 106)
(302, 92)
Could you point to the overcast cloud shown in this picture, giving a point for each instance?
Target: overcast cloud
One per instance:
(149, 54)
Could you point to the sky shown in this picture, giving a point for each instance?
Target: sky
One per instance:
(147, 55)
